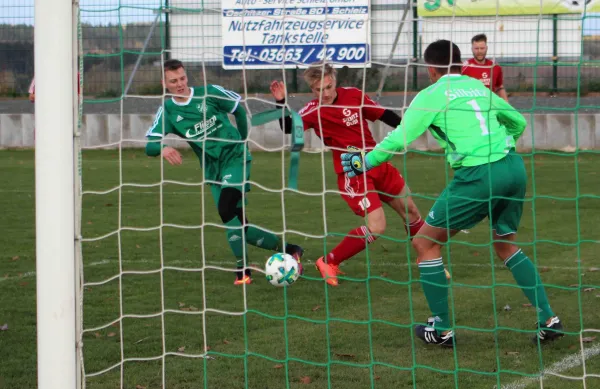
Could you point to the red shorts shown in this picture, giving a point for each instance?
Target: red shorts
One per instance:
(383, 183)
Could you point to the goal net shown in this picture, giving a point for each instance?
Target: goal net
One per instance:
(159, 308)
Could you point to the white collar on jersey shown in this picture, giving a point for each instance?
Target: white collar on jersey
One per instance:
(185, 102)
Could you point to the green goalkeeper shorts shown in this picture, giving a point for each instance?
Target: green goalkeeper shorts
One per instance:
(496, 190)
(233, 175)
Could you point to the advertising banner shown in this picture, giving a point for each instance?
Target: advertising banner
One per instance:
(268, 34)
(432, 8)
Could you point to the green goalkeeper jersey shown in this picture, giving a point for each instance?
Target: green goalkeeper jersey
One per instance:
(203, 121)
(473, 125)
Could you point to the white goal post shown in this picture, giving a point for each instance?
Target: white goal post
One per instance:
(55, 118)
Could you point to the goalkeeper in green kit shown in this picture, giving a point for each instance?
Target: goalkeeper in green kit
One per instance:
(478, 131)
(199, 114)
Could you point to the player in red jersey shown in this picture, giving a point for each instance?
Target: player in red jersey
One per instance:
(484, 69)
(339, 117)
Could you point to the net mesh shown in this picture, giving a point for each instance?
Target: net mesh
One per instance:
(159, 307)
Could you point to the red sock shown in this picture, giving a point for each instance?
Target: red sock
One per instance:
(414, 227)
(352, 244)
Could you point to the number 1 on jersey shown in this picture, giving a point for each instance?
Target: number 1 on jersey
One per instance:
(479, 116)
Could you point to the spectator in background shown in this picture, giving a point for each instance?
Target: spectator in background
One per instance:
(483, 69)
(32, 90)
(32, 95)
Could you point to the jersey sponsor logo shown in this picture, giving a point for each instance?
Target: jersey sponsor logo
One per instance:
(484, 75)
(351, 118)
(204, 127)
(179, 118)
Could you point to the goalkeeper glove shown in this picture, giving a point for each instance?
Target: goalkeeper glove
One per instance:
(355, 164)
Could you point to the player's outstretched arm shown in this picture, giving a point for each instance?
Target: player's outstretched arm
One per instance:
(390, 118)
(155, 133)
(279, 93)
(229, 101)
(355, 164)
(417, 119)
(514, 122)
(153, 146)
(154, 136)
(372, 111)
(241, 120)
(278, 90)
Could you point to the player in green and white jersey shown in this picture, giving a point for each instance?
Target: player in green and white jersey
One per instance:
(478, 131)
(199, 115)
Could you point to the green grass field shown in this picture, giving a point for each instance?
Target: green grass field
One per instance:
(156, 296)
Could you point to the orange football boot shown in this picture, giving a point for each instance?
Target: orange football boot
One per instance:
(328, 272)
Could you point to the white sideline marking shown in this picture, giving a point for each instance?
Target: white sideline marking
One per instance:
(24, 275)
(566, 363)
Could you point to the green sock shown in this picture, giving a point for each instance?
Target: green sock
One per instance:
(236, 241)
(436, 291)
(528, 279)
(263, 239)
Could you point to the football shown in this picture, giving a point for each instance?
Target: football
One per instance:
(282, 270)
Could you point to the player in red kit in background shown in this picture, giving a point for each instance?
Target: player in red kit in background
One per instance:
(484, 69)
(339, 117)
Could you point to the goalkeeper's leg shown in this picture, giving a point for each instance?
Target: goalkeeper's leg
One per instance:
(506, 217)
(549, 326)
(434, 281)
(452, 211)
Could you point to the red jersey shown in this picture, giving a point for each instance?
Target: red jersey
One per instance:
(342, 126)
(484, 72)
